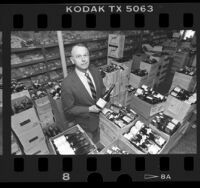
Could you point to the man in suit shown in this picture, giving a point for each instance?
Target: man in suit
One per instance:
(80, 91)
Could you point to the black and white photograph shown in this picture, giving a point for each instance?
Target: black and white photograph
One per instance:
(103, 92)
(1, 97)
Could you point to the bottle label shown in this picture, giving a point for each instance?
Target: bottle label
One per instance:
(101, 103)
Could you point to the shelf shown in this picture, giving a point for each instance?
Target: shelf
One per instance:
(18, 50)
(28, 63)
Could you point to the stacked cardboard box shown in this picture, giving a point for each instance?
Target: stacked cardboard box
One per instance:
(116, 45)
(137, 58)
(137, 81)
(180, 59)
(152, 70)
(27, 128)
(44, 110)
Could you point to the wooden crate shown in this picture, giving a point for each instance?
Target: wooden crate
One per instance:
(119, 143)
(145, 109)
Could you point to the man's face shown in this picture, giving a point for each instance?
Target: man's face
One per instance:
(80, 57)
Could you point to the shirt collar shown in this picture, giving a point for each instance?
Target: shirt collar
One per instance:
(80, 72)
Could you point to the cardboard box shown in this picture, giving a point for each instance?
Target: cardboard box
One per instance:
(136, 150)
(20, 94)
(39, 149)
(116, 40)
(150, 68)
(137, 58)
(24, 121)
(137, 81)
(47, 119)
(43, 105)
(71, 130)
(145, 109)
(115, 51)
(184, 81)
(120, 144)
(178, 109)
(104, 139)
(31, 138)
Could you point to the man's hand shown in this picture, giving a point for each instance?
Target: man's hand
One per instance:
(94, 109)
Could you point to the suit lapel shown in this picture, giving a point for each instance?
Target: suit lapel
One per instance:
(81, 87)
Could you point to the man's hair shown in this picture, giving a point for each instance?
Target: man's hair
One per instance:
(78, 45)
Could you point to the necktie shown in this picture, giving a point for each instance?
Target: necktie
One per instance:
(92, 88)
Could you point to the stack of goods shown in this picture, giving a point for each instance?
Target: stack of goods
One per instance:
(138, 77)
(18, 42)
(119, 115)
(151, 66)
(147, 102)
(26, 125)
(116, 45)
(144, 139)
(51, 131)
(180, 103)
(180, 59)
(113, 120)
(185, 78)
(72, 141)
(165, 123)
(137, 58)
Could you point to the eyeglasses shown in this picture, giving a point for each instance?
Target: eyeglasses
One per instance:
(80, 56)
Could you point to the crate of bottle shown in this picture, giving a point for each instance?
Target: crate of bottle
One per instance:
(60, 138)
(117, 147)
(24, 121)
(178, 109)
(111, 129)
(145, 109)
(136, 149)
(186, 82)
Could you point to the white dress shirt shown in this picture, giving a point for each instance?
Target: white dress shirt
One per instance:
(84, 80)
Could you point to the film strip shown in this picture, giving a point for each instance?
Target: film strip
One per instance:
(92, 168)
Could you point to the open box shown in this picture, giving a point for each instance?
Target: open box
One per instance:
(71, 130)
(136, 150)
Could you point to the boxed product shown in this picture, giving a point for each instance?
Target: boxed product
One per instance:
(20, 94)
(136, 81)
(72, 141)
(116, 40)
(137, 58)
(143, 139)
(187, 82)
(31, 138)
(24, 121)
(117, 147)
(178, 109)
(115, 51)
(147, 102)
(39, 149)
(150, 68)
(114, 119)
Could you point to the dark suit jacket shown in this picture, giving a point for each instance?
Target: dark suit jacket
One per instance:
(76, 100)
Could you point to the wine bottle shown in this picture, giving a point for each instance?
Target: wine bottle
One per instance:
(101, 103)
